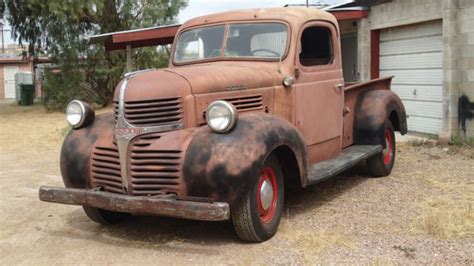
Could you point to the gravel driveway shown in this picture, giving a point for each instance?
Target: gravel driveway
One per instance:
(421, 213)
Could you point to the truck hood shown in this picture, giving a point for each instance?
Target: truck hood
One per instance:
(219, 77)
(182, 81)
(154, 84)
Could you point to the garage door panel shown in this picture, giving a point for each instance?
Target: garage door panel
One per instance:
(412, 31)
(410, 46)
(419, 92)
(411, 61)
(423, 109)
(422, 76)
(424, 124)
(414, 55)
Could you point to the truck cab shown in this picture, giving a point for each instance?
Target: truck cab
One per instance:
(253, 102)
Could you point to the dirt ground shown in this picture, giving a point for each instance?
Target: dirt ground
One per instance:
(421, 213)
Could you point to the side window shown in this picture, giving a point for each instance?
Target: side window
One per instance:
(316, 46)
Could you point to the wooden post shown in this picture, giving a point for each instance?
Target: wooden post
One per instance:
(129, 58)
(374, 54)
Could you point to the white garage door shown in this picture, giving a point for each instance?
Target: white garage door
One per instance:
(414, 55)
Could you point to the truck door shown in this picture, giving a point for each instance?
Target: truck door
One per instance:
(318, 94)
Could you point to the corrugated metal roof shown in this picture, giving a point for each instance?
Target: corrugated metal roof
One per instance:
(108, 37)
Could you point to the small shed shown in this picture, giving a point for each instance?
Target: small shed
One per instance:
(127, 40)
(9, 67)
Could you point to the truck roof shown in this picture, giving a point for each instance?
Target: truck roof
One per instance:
(295, 16)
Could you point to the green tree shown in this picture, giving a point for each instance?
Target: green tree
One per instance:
(59, 29)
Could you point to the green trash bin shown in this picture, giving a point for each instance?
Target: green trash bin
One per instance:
(27, 94)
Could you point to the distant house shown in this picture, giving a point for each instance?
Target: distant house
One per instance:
(9, 66)
(14, 59)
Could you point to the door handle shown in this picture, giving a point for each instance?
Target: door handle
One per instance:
(339, 87)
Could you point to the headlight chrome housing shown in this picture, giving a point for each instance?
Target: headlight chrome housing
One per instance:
(221, 116)
(79, 114)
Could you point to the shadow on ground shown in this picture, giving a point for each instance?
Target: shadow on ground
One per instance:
(159, 232)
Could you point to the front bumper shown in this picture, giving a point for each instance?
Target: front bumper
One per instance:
(188, 209)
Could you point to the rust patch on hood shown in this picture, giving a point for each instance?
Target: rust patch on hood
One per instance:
(154, 84)
(221, 77)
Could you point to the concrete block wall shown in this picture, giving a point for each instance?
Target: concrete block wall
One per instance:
(458, 47)
(392, 14)
(451, 73)
(465, 44)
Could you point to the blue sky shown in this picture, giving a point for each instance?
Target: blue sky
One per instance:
(197, 8)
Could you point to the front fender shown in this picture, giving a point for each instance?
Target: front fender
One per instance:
(372, 110)
(224, 166)
(76, 150)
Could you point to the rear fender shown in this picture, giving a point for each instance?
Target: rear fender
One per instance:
(372, 110)
(224, 166)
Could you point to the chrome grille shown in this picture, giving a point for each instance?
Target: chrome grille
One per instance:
(246, 103)
(155, 112)
(154, 172)
(115, 105)
(106, 169)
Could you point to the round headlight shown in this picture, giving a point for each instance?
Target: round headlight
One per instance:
(79, 114)
(221, 116)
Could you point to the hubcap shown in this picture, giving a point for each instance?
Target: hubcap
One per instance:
(387, 152)
(266, 194)
(387, 149)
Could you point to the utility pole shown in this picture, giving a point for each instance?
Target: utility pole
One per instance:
(307, 4)
(3, 40)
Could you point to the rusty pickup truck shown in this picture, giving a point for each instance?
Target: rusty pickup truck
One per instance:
(253, 102)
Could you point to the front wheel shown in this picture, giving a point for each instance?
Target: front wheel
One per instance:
(105, 217)
(382, 163)
(257, 216)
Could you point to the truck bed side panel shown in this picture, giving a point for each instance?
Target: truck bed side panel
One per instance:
(353, 110)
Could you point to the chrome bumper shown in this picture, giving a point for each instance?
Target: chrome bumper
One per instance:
(188, 209)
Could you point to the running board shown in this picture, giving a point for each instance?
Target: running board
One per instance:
(348, 158)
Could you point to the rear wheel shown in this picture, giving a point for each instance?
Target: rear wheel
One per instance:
(382, 163)
(105, 217)
(257, 216)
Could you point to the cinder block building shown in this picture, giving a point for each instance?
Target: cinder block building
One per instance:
(428, 45)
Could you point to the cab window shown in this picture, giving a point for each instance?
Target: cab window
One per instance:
(316, 46)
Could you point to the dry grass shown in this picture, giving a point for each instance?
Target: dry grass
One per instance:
(446, 171)
(32, 128)
(380, 261)
(446, 217)
(314, 243)
(451, 213)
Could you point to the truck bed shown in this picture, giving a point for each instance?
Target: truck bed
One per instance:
(352, 91)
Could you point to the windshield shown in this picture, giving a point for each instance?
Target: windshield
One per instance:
(253, 40)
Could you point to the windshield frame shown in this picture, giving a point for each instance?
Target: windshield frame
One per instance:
(226, 25)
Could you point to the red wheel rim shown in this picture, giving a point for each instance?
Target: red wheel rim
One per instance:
(388, 151)
(267, 177)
